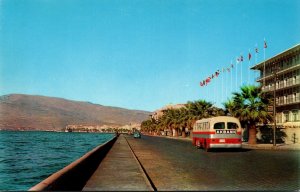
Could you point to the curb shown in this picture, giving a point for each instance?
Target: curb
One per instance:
(270, 147)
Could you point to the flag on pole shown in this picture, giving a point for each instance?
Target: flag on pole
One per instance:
(256, 50)
(249, 56)
(265, 44)
(202, 83)
(242, 58)
(207, 80)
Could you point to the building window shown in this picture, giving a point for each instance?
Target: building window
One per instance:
(286, 116)
(279, 118)
(295, 115)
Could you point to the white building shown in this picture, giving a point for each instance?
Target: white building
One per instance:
(286, 67)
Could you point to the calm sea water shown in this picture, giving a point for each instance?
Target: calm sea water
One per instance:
(26, 158)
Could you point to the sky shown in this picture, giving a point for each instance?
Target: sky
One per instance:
(139, 54)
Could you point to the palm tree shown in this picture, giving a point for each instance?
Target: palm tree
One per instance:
(148, 126)
(182, 118)
(230, 107)
(183, 121)
(251, 107)
(199, 108)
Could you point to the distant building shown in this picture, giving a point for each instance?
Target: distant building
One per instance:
(158, 113)
(102, 128)
(286, 66)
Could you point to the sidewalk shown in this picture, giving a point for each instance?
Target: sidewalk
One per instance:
(119, 171)
(281, 146)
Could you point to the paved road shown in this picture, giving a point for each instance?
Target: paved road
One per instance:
(177, 165)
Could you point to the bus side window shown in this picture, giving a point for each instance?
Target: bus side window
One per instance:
(231, 125)
(220, 125)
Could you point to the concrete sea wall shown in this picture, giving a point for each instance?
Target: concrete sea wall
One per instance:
(74, 176)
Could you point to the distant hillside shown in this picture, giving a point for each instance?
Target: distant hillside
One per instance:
(27, 112)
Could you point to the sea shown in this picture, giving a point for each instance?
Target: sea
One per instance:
(28, 157)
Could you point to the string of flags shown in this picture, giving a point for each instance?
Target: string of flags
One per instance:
(228, 69)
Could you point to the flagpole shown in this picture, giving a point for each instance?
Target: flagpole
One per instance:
(222, 83)
(231, 76)
(256, 50)
(249, 57)
(226, 88)
(241, 70)
(236, 71)
(215, 95)
(264, 82)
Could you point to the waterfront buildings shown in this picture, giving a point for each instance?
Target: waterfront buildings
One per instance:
(282, 73)
(158, 113)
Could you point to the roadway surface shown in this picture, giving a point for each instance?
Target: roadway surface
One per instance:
(177, 165)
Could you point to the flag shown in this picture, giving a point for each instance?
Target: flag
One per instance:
(242, 59)
(201, 84)
(231, 65)
(249, 56)
(256, 50)
(207, 80)
(265, 44)
(217, 73)
(212, 76)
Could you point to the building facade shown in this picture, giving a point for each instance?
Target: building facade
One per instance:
(283, 71)
(159, 113)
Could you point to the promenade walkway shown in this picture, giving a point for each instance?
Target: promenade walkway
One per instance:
(119, 170)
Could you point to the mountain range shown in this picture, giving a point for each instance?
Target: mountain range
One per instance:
(31, 112)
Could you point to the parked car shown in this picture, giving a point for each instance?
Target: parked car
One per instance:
(137, 134)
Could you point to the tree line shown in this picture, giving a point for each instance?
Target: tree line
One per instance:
(249, 105)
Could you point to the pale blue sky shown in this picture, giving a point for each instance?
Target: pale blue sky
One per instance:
(137, 54)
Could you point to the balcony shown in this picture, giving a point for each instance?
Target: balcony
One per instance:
(286, 68)
(282, 85)
(290, 100)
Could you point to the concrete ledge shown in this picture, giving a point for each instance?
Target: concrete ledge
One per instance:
(74, 176)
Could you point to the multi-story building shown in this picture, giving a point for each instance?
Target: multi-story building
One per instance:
(283, 70)
(158, 113)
